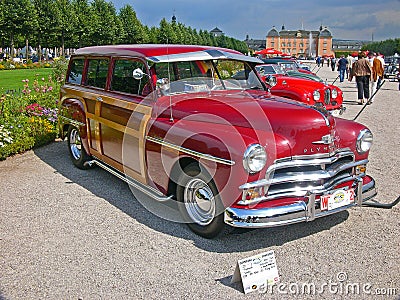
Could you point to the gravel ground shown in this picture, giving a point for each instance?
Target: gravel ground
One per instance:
(72, 234)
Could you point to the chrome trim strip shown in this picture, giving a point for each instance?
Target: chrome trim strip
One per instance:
(311, 176)
(148, 190)
(71, 121)
(320, 189)
(339, 153)
(191, 152)
(287, 214)
(203, 55)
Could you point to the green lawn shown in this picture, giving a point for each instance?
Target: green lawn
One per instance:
(12, 79)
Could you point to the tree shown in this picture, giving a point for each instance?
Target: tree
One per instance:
(166, 35)
(64, 23)
(81, 23)
(106, 26)
(45, 31)
(132, 30)
(18, 20)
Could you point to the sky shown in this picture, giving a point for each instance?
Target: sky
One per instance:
(354, 20)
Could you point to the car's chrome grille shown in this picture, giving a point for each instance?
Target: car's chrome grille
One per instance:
(327, 96)
(300, 175)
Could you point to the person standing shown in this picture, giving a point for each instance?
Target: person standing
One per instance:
(333, 63)
(362, 71)
(377, 73)
(318, 61)
(342, 66)
(350, 63)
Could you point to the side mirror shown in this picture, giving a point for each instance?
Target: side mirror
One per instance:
(138, 74)
(271, 80)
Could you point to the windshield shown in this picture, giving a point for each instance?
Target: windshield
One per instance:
(204, 76)
(288, 66)
(270, 69)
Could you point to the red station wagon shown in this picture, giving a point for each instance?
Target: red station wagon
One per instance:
(173, 123)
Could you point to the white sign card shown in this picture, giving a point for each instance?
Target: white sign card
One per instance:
(257, 272)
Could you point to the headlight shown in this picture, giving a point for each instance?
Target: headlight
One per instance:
(316, 95)
(364, 141)
(334, 94)
(254, 158)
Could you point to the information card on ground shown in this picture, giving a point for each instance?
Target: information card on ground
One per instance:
(257, 272)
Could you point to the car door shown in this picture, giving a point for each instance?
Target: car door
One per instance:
(118, 115)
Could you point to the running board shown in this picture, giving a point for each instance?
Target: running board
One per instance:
(149, 191)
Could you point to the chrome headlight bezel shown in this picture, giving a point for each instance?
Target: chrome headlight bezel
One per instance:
(254, 158)
(334, 93)
(364, 141)
(316, 95)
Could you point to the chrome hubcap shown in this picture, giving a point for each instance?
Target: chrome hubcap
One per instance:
(75, 144)
(199, 202)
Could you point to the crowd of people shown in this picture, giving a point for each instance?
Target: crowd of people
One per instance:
(366, 69)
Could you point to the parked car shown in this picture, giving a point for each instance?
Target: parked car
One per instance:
(307, 91)
(277, 69)
(289, 64)
(173, 123)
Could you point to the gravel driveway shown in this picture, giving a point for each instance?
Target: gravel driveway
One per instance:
(72, 234)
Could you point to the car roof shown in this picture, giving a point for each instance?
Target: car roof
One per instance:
(163, 52)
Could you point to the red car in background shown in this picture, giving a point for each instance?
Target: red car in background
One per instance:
(307, 91)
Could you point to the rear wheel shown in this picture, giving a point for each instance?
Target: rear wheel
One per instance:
(200, 204)
(76, 150)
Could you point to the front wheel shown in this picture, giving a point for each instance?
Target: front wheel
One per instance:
(199, 202)
(76, 150)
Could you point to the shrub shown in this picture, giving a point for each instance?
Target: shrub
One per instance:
(29, 119)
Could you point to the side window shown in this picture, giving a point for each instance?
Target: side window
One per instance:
(123, 81)
(97, 73)
(76, 70)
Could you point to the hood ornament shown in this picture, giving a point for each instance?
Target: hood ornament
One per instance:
(325, 140)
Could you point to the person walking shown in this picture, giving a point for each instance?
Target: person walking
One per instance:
(342, 66)
(362, 71)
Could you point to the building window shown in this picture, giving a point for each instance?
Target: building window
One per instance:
(283, 45)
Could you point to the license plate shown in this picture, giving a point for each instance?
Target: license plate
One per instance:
(337, 199)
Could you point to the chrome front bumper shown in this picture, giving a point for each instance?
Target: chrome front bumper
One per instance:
(302, 211)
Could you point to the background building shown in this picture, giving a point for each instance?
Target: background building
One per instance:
(301, 42)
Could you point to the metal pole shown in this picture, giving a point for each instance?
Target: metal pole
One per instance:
(335, 79)
(369, 101)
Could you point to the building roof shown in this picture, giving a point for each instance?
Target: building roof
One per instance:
(216, 30)
(273, 32)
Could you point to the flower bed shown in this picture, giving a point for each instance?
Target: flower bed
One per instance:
(28, 119)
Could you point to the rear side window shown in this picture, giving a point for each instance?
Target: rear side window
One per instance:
(76, 71)
(123, 81)
(97, 73)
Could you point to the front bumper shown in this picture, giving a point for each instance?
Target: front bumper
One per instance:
(301, 211)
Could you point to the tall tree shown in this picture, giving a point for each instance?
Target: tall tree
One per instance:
(18, 20)
(81, 22)
(132, 30)
(46, 12)
(105, 24)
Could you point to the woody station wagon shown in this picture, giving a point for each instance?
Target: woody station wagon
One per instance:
(173, 123)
